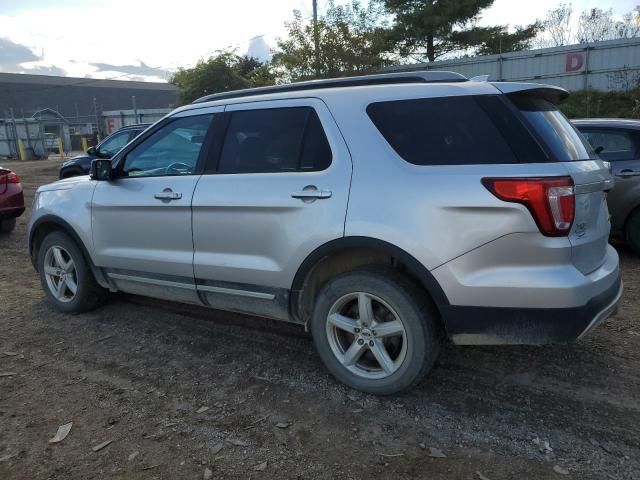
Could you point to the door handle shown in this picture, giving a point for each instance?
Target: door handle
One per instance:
(628, 173)
(311, 193)
(167, 194)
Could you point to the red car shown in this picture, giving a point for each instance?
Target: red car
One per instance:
(11, 200)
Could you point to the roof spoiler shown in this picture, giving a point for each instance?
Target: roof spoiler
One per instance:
(551, 93)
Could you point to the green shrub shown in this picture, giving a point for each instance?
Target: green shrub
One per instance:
(596, 104)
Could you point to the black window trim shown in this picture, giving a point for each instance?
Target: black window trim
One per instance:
(212, 163)
(119, 159)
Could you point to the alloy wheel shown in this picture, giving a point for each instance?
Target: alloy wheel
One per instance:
(366, 335)
(60, 273)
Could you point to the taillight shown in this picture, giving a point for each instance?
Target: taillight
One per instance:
(9, 178)
(550, 200)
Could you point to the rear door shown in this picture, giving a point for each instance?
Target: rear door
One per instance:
(620, 147)
(589, 234)
(277, 191)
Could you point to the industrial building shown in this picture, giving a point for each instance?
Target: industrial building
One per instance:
(42, 108)
(608, 65)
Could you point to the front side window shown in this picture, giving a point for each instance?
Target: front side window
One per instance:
(113, 144)
(441, 131)
(173, 149)
(614, 144)
(274, 140)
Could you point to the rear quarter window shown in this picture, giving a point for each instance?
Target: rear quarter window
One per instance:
(452, 130)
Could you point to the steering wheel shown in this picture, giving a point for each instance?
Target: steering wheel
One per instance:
(178, 167)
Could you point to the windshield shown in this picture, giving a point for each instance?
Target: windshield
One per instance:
(558, 133)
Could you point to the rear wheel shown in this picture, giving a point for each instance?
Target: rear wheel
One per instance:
(65, 275)
(375, 331)
(632, 231)
(7, 225)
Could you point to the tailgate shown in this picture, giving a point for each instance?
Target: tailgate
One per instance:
(590, 231)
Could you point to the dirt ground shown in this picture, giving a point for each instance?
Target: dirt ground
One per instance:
(188, 392)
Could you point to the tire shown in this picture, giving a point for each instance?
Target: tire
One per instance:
(412, 351)
(7, 225)
(88, 294)
(632, 231)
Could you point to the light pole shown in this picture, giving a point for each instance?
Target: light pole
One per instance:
(316, 39)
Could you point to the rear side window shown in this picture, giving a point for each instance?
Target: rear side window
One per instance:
(441, 131)
(615, 144)
(554, 128)
(274, 140)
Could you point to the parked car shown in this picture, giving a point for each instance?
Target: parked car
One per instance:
(11, 200)
(81, 164)
(385, 213)
(618, 142)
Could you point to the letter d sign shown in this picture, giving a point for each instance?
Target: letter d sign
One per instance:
(574, 62)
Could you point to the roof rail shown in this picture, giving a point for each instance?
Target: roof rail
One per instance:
(420, 76)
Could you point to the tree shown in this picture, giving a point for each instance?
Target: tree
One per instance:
(499, 40)
(557, 26)
(222, 72)
(629, 27)
(429, 29)
(596, 25)
(352, 40)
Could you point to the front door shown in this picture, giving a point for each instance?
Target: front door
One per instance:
(142, 219)
(278, 191)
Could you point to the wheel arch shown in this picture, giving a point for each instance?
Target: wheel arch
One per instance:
(51, 223)
(343, 254)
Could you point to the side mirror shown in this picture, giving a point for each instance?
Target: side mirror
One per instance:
(598, 149)
(92, 151)
(101, 169)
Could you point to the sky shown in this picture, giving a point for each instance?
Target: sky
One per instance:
(147, 39)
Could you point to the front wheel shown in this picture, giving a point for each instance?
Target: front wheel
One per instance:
(66, 276)
(375, 331)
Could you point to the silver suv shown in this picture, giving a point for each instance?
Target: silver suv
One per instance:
(384, 213)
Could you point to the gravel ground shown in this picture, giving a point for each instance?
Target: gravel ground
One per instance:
(188, 392)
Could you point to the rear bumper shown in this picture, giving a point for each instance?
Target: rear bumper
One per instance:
(12, 212)
(531, 305)
(468, 325)
(12, 201)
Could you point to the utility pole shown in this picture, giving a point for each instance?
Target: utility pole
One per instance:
(316, 38)
(135, 109)
(95, 110)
